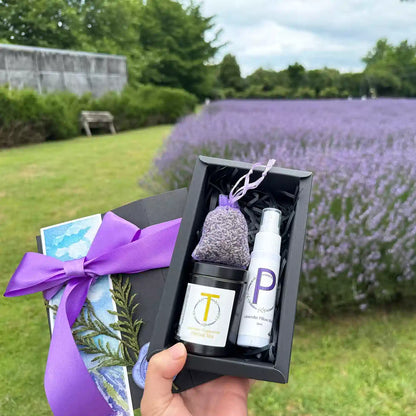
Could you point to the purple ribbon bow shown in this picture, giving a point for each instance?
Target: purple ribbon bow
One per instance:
(118, 247)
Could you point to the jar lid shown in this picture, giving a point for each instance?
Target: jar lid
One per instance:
(219, 270)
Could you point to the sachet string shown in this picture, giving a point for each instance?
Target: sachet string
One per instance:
(235, 195)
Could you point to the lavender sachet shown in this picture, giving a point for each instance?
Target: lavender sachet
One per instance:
(224, 237)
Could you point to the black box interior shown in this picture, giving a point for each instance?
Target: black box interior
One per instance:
(288, 190)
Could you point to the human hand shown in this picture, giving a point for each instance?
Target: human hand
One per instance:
(225, 396)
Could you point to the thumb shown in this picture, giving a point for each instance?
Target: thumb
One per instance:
(163, 367)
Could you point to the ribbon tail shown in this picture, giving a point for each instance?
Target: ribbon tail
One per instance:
(69, 387)
(35, 273)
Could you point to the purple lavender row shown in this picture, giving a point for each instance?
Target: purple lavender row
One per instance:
(361, 242)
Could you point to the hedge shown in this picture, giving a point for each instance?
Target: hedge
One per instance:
(29, 117)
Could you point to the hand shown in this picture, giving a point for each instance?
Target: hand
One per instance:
(225, 396)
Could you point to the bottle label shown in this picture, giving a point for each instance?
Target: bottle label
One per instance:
(259, 303)
(206, 315)
(259, 284)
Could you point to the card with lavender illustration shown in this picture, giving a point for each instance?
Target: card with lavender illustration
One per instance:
(97, 330)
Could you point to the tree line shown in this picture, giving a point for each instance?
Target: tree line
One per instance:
(390, 71)
(164, 41)
(171, 44)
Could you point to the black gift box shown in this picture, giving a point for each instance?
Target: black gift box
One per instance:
(148, 286)
(279, 183)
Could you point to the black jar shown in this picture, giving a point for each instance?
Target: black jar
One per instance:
(211, 309)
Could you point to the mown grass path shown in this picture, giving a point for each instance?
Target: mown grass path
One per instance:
(348, 366)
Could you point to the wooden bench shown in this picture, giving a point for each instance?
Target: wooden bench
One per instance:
(97, 119)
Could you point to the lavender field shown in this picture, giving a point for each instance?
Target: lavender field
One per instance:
(361, 239)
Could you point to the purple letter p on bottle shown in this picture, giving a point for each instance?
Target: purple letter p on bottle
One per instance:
(258, 283)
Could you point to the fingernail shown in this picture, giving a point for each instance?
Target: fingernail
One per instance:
(177, 351)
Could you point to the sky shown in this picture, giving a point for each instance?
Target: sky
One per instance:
(276, 33)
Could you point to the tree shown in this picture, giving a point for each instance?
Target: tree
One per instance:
(164, 42)
(390, 69)
(384, 82)
(229, 73)
(379, 52)
(296, 74)
(268, 79)
(318, 79)
(92, 25)
(173, 38)
(352, 83)
(50, 23)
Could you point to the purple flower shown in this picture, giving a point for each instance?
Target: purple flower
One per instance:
(362, 226)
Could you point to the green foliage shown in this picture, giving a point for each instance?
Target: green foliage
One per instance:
(163, 41)
(147, 105)
(61, 114)
(28, 117)
(296, 82)
(128, 323)
(52, 23)
(353, 83)
(92, 25)
(297, 75)
(173, 39)
(229, 73)
(20, 117)
(228, 93)
(280, 92)
(257, 91)
(329, 92)
(253, 91)
(268, 79)
(383, 81)
(318, 79)
(85, 330)
(380, 52)
(88, 327)
(304, 92)
(391, 70)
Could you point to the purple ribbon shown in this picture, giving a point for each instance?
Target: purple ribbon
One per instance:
(118, 247)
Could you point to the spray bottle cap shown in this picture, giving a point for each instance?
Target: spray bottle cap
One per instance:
(270, 220)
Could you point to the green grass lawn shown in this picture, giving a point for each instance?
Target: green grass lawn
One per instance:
(353, 365)
(347, 366)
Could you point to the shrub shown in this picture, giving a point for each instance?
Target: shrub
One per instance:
(61, 115)
(305, 92)
(361, 238)
(256, 91)
(329, 92)
(20, 117)
(28, 117)
(229, 93)
(164, 104)
(280, 92)
(146, 105)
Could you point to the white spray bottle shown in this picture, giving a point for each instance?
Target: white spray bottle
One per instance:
(262, 281)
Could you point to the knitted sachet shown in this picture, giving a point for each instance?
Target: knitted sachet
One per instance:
(224, 236)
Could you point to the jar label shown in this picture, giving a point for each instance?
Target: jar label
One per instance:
(206, 315)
